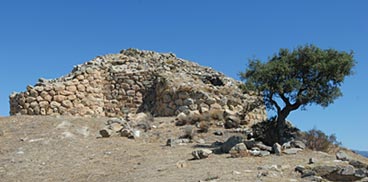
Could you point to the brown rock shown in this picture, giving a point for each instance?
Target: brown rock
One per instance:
(59, 98)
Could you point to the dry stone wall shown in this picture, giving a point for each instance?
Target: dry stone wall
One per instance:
(136, 81)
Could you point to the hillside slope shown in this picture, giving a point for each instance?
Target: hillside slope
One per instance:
(45, 148)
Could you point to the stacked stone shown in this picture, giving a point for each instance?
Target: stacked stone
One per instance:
(136, 81)
(77, 95)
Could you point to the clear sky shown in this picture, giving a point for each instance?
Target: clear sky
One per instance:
(43, 38)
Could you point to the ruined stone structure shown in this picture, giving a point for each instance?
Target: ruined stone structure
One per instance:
(136, 81)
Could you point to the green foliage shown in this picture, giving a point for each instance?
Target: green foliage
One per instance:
(304, 76)
(319, 141)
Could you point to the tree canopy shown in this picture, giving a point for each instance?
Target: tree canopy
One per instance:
(290, 80)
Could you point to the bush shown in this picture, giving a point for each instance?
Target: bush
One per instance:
(319, 141)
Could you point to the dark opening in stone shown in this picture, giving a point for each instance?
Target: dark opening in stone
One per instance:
(214, 80)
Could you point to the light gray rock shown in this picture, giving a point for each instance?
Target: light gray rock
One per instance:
(341, 155)
(264, 153)
(255, 152)
(231, 142)
(291, 151)
(106, 132)
(173, 142)
(347, 171)
(218, 133)
(277, 149)
(262, 146)
(239, 150)
(297, 144)
(286, 145)
(201, 154)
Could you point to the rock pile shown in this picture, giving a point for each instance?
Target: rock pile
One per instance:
(240, 146)
(138, 81)
(350, 170)
(130, 127)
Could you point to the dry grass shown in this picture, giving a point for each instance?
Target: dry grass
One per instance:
(66, 149)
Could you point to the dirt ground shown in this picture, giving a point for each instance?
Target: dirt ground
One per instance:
(45, 148)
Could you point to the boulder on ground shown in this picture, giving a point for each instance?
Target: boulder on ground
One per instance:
(231, 142)
(201, 154)
(239, 150)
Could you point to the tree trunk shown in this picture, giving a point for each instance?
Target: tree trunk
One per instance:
(281, 125)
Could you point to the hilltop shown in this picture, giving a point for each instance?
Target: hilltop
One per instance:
(146, 116)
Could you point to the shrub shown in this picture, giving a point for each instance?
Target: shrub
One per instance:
(318, 140)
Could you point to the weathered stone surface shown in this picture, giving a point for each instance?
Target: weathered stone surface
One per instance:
(277, 149)
(358, 164)
(341, 155)
(262, 146)
(291, 151)
(106, 132)
(173, 141)
(201, 154)
(239, 150)
(264, 153)
(231, 142)
(140, 81)
(297, 144)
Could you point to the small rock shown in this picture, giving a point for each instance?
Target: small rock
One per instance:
(172, 142)
(299, 168)
(236, 173)
(127, 133)
(106, 132)
(230, 143)
(181, 164)
(277, 149)
(201, 141)
(264, 153)
(298, 144)
(20, 152)
(286, 145)
(314, 178)
(347, 171)
(115, 120)
(262, 146)
(239, 150)
(270, 168)
(361, 173)
(312, 160)
(201, 154)
(115, 127)
(358, 164)
(291, 151)
(218, 133)
(250, 143)
(107, 152)
(262, 174)
(341, 155)
(255, 152)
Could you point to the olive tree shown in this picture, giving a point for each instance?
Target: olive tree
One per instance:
(290, 80)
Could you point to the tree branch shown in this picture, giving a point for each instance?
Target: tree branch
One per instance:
(278, 108)
(286, 100)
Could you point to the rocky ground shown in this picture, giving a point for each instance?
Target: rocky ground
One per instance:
(45, 148)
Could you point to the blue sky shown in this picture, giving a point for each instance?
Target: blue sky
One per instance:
(43, 38)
